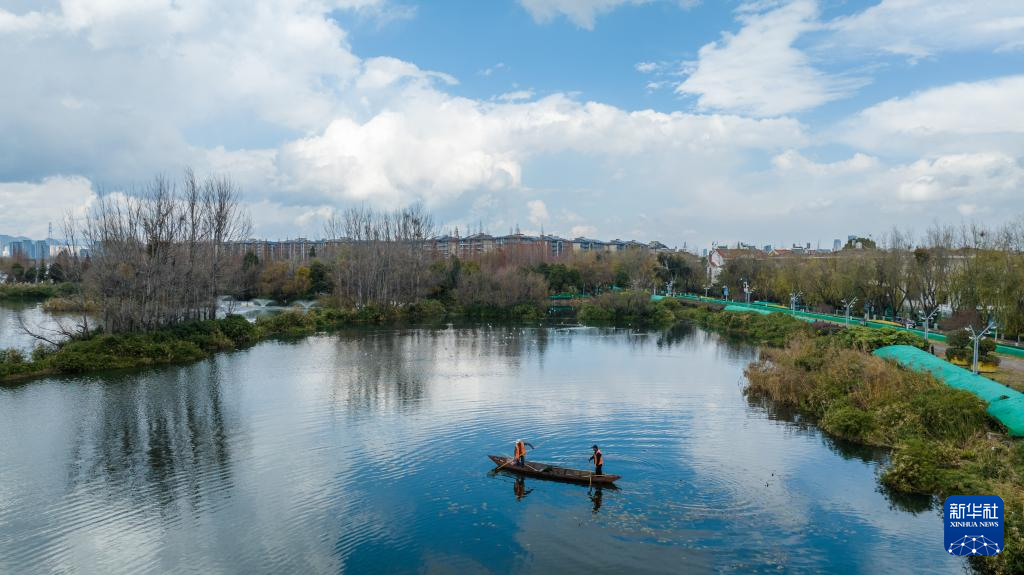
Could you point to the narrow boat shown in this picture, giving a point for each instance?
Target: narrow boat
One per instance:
(548, 471)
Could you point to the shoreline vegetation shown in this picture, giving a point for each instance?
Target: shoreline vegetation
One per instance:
(35, 291)
(941, 440)
(98, 351)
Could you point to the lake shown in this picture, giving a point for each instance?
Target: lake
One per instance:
(366, 452)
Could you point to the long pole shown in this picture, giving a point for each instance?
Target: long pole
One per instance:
(974, 363)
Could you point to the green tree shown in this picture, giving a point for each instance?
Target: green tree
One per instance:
(319, 278)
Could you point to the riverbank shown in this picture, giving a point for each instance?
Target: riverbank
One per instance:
(942, 440)
(193, 341)
(34, 291)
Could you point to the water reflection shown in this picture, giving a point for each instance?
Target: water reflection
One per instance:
(366, 452)
(597, 496)
(801, 424)
(17, 315)
(519, 487)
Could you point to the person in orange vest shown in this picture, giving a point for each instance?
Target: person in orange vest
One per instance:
(520, 453)
(598, 460)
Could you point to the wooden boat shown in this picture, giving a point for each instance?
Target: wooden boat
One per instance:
(548, 471)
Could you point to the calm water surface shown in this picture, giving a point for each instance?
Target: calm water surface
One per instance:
(366, 452)
(14, 314)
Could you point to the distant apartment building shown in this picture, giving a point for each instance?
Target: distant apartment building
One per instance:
(720, 257)
(16, 250)
(584, 245)
(542, 247)
(28, 248)
(299, 249)
(42, 251)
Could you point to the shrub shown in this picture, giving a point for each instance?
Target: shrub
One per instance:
(949, 413)
(427, 309)
(238, 329)
(848, 422)
(869, 338)
(11, 356)
(627, 307)
(915, 467)
(290, 323)
(774, 329)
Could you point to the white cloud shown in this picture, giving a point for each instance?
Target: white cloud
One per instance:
(646, 67)
(986, 177)
(959, 117)
(434, 147)
(583, 231)
(920, 28)
(583, 13)
(276, 98)
(27, 207)
(792, 160)
(112, 88)
(538, 212)
(384, 72)
(927, 188)
(758, 71)
(516, 96)
(492, 69)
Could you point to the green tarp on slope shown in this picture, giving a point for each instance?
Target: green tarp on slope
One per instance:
(745, 309)
(1004, 403)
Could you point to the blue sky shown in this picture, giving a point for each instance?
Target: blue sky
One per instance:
(769, 121)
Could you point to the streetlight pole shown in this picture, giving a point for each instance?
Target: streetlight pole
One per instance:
(976, 339)
(849, 305)
(928, 322)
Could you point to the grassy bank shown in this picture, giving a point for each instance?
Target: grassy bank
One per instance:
(772, 330)
(628, 307)
(196, 340)
(59, 304)
(943, 442)
(34, 291)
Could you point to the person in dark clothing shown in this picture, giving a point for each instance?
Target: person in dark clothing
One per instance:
(598, 459)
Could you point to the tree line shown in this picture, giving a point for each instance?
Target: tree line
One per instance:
(158, 255)
(969, 271)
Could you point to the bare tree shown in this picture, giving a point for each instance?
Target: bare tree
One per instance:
(157, 254)
(381, 257)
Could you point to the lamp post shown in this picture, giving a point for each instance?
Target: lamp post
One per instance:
(988, 316)
(928, 321)
(976, 339)
(848, 305)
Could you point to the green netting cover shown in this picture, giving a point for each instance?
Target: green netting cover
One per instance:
(745, 309)
(1004, 403)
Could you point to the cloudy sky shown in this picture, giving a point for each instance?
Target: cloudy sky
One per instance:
(686, 121)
